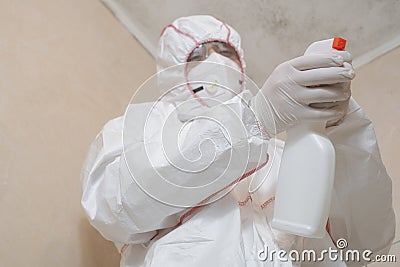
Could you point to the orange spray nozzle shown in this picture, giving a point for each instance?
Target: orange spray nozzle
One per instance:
(339, 43)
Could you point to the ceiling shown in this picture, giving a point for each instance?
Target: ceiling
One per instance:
(275, 31)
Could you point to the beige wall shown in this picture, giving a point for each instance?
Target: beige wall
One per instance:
(66, 67)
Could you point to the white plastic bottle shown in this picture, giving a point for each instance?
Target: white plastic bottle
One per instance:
(306, 175)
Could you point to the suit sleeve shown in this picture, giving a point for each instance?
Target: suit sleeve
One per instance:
(362, 211)
(130, 173)
(113, 202)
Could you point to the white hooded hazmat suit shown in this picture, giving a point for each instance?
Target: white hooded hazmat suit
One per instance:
(233, 230)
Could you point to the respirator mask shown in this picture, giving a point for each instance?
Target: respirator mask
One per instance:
(212, 81)
(215, 79)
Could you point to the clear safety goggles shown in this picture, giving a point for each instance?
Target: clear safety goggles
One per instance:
(201, 52)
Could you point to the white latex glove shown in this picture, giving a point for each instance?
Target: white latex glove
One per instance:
(307, 88)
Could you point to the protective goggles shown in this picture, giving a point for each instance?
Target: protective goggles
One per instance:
(201, 52)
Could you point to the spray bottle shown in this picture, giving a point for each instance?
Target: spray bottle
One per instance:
(306, 175)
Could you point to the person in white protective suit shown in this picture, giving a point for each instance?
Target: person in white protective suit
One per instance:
(232, 229)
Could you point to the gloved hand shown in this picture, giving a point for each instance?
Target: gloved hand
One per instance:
(313, 87)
